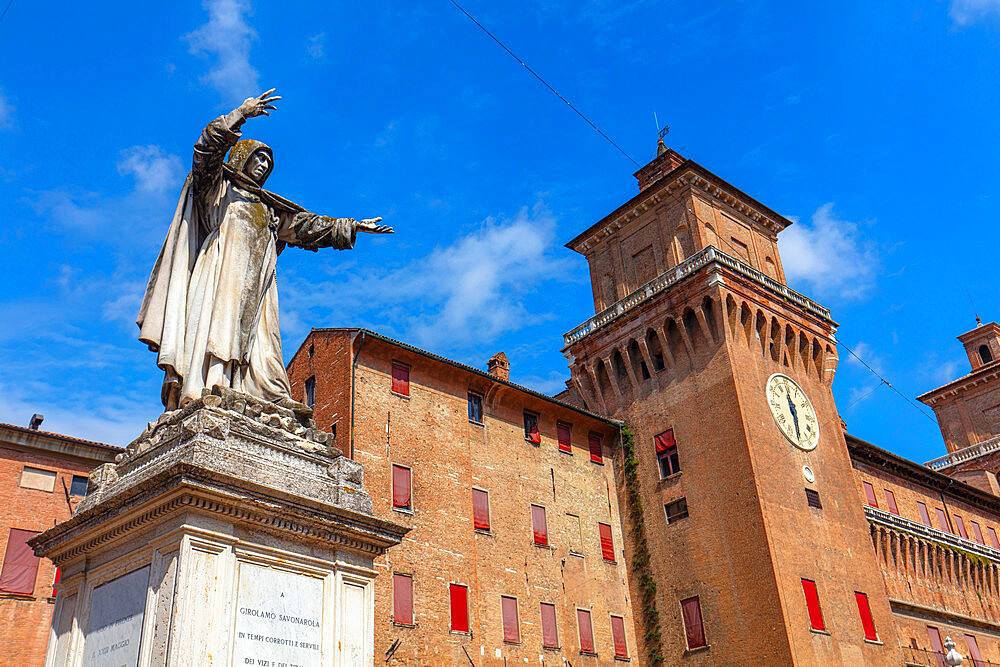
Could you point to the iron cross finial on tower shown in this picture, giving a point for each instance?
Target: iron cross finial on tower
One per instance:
(661, 148)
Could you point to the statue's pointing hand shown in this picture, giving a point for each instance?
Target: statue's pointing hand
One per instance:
(258, 106)
(372, 227)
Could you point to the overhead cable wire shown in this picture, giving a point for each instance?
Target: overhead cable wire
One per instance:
(545, 83)
(886, 382)
(4, 13)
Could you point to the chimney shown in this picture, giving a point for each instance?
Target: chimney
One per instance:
(499, 367)
(666, 161)
(36, 421)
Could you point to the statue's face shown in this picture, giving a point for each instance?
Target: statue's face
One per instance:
(258, 166)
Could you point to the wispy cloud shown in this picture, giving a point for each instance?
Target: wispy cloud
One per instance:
(227, 37)
(314, 45)
(967, 12)
(829, 254)
(6, 111)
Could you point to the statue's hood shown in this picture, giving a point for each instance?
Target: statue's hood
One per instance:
(241, 152)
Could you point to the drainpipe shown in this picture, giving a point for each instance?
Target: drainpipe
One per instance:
(354, 370)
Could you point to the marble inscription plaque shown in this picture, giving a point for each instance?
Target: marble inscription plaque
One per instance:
(115, 627)
(279, 618)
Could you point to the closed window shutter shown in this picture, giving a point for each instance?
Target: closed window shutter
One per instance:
(993, 537)
(402, 599)
(595, 448)
(562, 432)
(400, 487)
(664, 441)
(618, 635)
(20, 564)
(480, 509)
(694, 630)
(942, 520)
(550, 634)
(607, 543)
(924, 516)
(935, 637)
(459, 608)
(812, 603)
(539, 529)
(508, 607)
(890, 502)
(977, 657)
(870, 494)
(586, 631)
(866, 617)
(400, 378)
(977, 532)
(961, 526)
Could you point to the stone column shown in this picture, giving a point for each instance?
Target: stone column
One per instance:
(228, 533)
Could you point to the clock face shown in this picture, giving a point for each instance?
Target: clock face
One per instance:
(792, 411)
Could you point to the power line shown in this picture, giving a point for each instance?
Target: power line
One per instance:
(886, 382)
(544, 82)
(5, 9)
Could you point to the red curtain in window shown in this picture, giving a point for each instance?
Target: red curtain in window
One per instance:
(664, 441)
(693, 628)
(534, 435)
(400, 487)
(595, 448)
(401, 378)
(562, 432)
(607, 543)
(812, 602)
(586, 631)
(402, 599)
(20, 564)
(459, 608)
(538, 526)
(890, 502)
(866, 617)
(508, 608)
(618, 635)
(977, 657)
(961, 526)
(480, 509)
(924, 516)
(870, 494)
(977, 532)
(550, 635)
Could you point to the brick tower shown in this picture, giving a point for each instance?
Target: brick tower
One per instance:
(760, 551)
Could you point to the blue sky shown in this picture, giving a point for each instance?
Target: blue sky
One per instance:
(874, 125)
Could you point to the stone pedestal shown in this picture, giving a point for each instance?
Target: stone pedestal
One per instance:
(229, 533)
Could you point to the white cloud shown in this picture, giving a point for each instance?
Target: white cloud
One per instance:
(6, 111)
(314, 45)
(228, 37)
(829, 254)
(154, 171)
(966, 12)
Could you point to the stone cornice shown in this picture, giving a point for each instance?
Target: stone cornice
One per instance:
(56, 444)
(983, 375)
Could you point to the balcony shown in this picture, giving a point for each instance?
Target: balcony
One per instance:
(967, 454)
(918, 657)
(932, 534)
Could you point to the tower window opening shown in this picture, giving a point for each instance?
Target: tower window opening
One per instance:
(984, 354)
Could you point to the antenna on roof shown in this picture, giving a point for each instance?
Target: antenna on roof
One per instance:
(662, 131)
(979, 322)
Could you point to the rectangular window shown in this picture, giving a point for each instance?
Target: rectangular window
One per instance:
(694, 629)
(870, 494)
(400, 379)
(961, 526)
(539, 529)
(475, 408)
(402, 599)
(459, 596)
(78, 487)
(586, 632)
(562, 433)
(924, 516)
(401, 488)
(977, 532)
(36, 478)
(311, 392)
(550, 632)
(866, 617)
(618, 636)
(666, 453)
(596, 455)
(531, 433)
(942, 520)
(508, 609)
(573, 530)
(890, 502)
(977, 657)
(812, 603)
(812, 499)
(676, 510)
(607, 542)
(20, 564)
(935, 637)
(994, 542)
(481, 509)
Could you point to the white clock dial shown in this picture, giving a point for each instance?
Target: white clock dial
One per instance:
(792, 411)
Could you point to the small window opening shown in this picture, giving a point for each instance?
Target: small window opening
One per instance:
(475, 408)
(676, 510)
(311, 392)
(531, 433)
(78, 487)
(666, 453)
(984, 354)
(812, 499)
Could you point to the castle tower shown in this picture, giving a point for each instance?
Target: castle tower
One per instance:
(758, 546)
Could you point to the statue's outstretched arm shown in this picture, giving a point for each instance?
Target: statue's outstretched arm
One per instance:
(312, 231)
(221, 134)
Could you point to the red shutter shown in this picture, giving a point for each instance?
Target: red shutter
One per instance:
(961, 526)
(562, 432)
(538, 527)
(977, 657)
(586, 631)
(400, 487)
(942, 520)
(977, 532)
(20, 564)
(459, 607)
(694, 630)
(664, 441)
(993, 537)
(55, 581)
(870, 494)
(890, 502)
(935, 638)
(508, 609)
(400, 378)
(550, 635)
(607, 543)
(618, 635)
(595, 448)
(402, 599)
(480, 509)
(924, 516)
(812, 602)
(866, 617)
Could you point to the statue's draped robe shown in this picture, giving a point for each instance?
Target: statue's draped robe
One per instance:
(210, 311)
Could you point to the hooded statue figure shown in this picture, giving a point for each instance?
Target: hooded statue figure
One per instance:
(210, 311)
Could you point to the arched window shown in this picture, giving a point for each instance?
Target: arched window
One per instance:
(985, 355)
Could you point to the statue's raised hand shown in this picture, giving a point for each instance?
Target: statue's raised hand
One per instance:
(258, 106)
(372, 227)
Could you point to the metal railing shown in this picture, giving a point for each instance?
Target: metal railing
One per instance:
(919, 657)
(966, 454)
(688, 267)
(933, 534)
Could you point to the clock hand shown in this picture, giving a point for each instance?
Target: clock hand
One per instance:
(795, 416)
